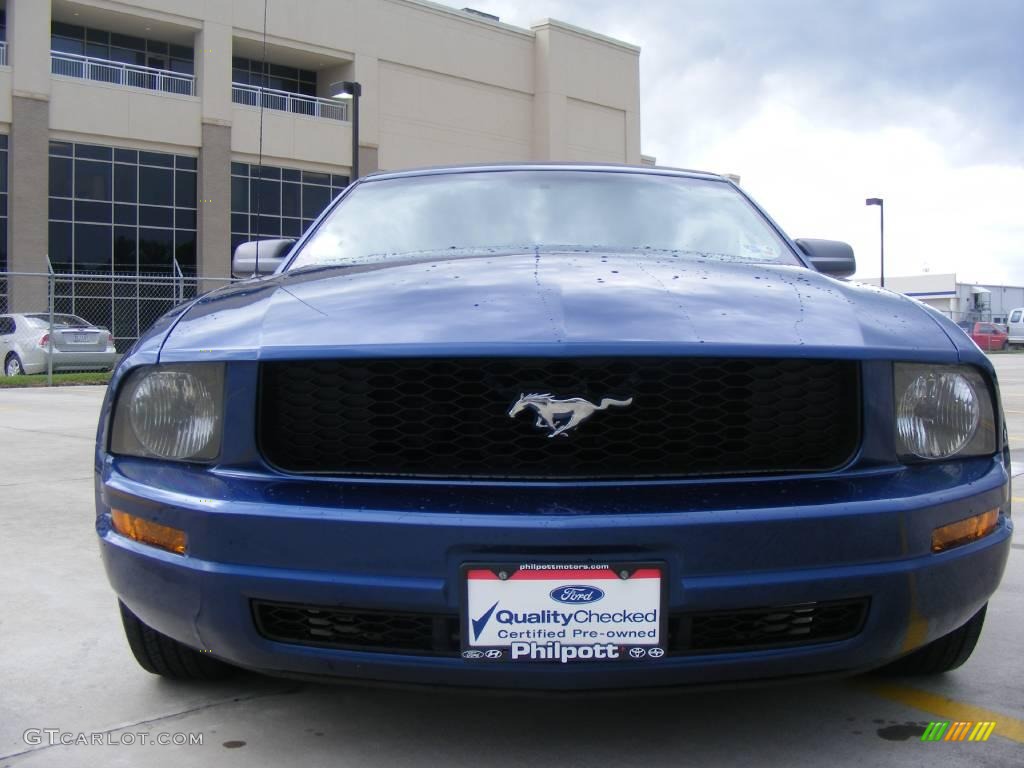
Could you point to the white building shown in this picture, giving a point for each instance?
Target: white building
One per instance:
(960, 301)
(130, 129)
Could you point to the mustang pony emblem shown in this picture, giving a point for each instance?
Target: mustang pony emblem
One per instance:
(562, 415)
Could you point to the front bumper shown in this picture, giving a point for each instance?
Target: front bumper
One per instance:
(376, 546)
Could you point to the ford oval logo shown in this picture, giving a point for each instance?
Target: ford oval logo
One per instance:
(576, 593)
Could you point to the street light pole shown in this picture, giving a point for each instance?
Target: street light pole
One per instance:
(347, 89)
(881, 229)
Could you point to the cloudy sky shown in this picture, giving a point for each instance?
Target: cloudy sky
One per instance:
(819, 104)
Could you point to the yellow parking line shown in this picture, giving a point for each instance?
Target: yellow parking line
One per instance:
(951, 709)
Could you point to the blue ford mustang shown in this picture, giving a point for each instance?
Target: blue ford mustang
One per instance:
(551, 427)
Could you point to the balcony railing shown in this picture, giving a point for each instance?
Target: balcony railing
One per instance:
(116, 73)
(3, 53)
(311, 106)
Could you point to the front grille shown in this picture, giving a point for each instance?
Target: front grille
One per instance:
(771, 627)
(449, 417)
(439, 634)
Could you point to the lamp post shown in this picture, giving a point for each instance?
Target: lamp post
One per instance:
(881, 229)
(347, 89)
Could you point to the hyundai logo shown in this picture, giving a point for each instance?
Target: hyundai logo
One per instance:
(576, 593)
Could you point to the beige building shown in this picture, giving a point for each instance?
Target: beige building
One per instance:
(130, 129)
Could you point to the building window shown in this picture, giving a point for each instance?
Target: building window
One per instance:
(126, 49)
(121, 210)
(3, 220)
(276, 76)
(279, 202)
(119, 213)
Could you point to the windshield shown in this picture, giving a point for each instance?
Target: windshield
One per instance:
(590, 210)
(60, 321)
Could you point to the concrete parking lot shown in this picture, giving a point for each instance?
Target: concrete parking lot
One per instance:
(64, 665)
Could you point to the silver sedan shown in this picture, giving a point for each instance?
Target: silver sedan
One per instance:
(76, 344)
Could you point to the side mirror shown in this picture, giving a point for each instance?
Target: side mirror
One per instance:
(270, 253)
(830, 257)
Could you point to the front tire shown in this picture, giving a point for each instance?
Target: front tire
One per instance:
(164, 656)
(944, 654)
(13, 366)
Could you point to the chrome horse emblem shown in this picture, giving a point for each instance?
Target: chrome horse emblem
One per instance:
(560, 416)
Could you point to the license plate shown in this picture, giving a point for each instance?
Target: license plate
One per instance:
(524, 612)
(82, 338)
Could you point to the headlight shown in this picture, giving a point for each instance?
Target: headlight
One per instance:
(942, 411)
(170, 412)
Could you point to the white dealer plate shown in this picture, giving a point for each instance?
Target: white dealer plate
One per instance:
(563, 613)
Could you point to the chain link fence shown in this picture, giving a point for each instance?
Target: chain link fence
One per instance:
(125, 305)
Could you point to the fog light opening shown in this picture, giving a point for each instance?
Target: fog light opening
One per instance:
(146, 532)
(964, 531)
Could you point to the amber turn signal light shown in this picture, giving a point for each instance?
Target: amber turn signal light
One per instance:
(146, 532)
(964, 531)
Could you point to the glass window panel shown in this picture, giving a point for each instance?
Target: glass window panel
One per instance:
(67, 45)
(93, 152)
(239, 194)
(291, 174)
(266, 226)
(97, 36)
(291, 227)
(90, 211)
(185, 189)
(185, 162)
(184, 219)
(266, 172)
(314, 200)
(182, 52)
(60, 244)
(310, 177)
(125, 214)
(161, 159)
(127, 56)
(239, 63)
(93, 243)
(240, 223)
(155, 250)
(126, 317)
(127, 41)
(240, 76)
(62, 148)
(185, 250)
(155, 46)
(60, 176)
(97, 50)
(156, 186)
(3, 140)
(154, 216)
(266, 197)
(281, 71)
(67, 30)
(92, 180)
(291, 199)
(126, 156)
(60, 210)
(338, 180)
(125, 249)
(239, 169)
(307, 89)
(125, 183)
(182, 66)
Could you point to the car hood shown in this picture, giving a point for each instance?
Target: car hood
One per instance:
(551, 301)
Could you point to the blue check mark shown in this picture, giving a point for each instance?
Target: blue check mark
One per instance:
(479, 624)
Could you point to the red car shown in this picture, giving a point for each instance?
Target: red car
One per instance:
(986, 335)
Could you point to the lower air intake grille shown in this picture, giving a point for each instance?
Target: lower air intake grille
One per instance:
(379, 631)
(427, 634)
(775, 627)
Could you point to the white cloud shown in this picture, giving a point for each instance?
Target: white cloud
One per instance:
(911, 102)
